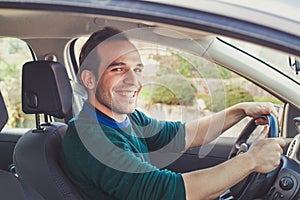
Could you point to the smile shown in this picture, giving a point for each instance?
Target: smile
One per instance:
(129, 94)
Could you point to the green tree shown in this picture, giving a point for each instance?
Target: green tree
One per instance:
(13, 54)
(173, 90)
(188, 65)
(225, 97)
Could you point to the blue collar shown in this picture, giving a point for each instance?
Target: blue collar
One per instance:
(104, 119)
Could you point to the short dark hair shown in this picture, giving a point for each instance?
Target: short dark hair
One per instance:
(87, 49)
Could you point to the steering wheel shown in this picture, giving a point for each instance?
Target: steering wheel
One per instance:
(256, 184)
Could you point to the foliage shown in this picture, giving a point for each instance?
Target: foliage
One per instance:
(189, 65)
(267, 99)
(13, 54)
(225, 97)
(173, 90)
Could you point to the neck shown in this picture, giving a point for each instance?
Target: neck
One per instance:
(107, 111)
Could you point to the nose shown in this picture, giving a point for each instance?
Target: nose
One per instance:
(132, 78)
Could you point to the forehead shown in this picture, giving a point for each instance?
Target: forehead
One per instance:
(109, 51)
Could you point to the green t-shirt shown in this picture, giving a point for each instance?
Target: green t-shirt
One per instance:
(110, 160)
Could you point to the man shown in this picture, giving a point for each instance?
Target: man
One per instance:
(106, 146)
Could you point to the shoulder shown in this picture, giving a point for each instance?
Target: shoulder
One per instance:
(140, 118)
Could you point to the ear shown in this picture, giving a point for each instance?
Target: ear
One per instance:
(88, 79)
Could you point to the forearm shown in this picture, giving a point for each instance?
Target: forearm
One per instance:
(210, 183)
(263, 156)
(204, 130)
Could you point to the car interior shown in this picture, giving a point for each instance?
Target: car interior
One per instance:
(30, 159)
(11, 186)
(49, 95)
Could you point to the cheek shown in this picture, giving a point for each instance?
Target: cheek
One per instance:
(100, 86)
(140, 80)
(108, 83)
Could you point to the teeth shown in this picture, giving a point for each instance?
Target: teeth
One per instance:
(127, 94)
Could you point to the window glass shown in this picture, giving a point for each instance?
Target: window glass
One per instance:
(13, 54)
(179, 86)
(78, 44)
(278, 60)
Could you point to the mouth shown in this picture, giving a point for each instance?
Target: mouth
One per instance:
(127, 93)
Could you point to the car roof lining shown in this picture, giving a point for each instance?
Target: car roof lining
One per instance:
(78, 20)
(66, 24)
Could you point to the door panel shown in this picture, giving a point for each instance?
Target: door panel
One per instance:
(197, 158)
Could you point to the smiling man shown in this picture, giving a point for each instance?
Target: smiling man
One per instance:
(117, 89)
(107, 144)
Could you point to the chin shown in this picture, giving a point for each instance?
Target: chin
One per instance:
(129, 111)
(126, 110)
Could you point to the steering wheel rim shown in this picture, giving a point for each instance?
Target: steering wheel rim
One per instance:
(255, 184)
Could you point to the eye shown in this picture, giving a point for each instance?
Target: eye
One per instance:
(117, 69)
(139, 70)
(117, 66)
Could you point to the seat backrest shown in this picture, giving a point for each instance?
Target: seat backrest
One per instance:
(12, 187)
(3, 111)
(37, 157)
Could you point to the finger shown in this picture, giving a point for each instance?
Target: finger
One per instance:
(264, 133)
(281, 150)
(267, 109)
(274, 112)
(261, 121)
(280, 141)
(272, 109)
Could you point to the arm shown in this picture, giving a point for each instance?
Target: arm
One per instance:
(263, 156)
(204, 130)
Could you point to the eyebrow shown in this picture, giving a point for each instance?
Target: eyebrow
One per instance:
(113, 64)
(116, 64)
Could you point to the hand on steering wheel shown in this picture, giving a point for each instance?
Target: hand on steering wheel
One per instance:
(256, 184)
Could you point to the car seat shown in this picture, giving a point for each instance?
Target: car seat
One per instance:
(12, 187)
(37, 156)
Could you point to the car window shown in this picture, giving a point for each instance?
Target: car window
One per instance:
(13, 54)
(276, 59)
(179, 86)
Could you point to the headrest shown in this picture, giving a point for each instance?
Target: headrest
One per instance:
(46, 89)
(3, 111)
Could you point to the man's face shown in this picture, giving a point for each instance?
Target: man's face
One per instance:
(120, 72)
